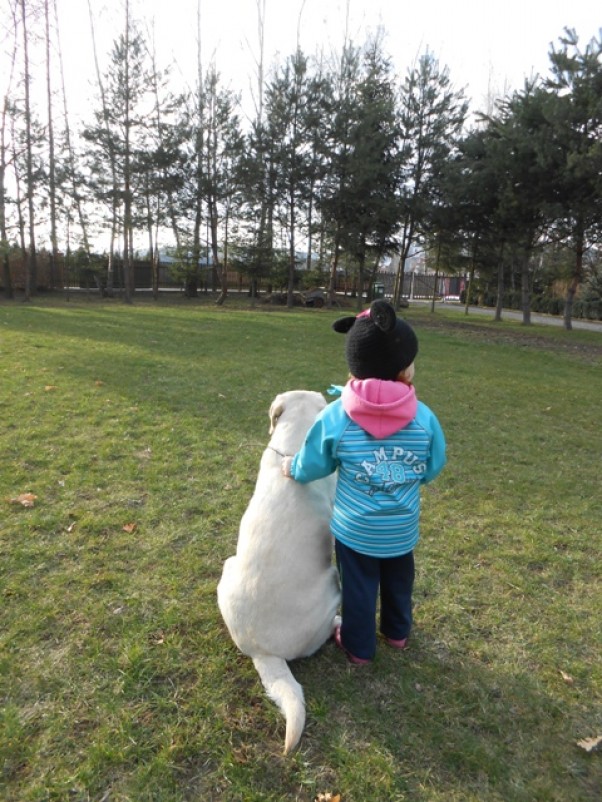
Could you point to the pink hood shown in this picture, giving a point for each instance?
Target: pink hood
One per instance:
(380, 407)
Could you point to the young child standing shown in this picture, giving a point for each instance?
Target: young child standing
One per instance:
(385, 444)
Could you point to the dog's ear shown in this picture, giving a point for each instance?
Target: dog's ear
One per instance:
(276, 410)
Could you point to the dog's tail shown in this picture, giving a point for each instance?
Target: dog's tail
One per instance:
(283, 688)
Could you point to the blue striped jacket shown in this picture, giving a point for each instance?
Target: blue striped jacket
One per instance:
(377, 501)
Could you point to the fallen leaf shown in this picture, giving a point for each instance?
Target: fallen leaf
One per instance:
(71, 527)
(567, 678)
(50, 387)
(25, 499)
(99, 383)
(129, 528)
(590, 744)
(327, 797)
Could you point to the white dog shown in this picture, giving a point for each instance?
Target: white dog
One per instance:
(279, 594)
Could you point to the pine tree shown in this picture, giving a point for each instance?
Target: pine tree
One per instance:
(432, 119)
(576, 82)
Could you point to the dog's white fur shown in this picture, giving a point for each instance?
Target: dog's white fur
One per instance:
(279, 594)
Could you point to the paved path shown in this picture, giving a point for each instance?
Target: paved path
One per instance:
(513, 314)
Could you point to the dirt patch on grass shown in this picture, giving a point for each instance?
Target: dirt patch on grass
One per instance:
(511, 336)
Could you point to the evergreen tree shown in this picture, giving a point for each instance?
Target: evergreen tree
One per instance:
(526, 158)
(288, 118)
(432, 119)
(370, 211)
(223, 145)
(576, 116)
(117, 138)
(341, 112)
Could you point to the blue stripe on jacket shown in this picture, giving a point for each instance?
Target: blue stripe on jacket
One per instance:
(377, 501)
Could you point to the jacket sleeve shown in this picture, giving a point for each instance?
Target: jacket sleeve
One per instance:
(437, 457)
(316, 458)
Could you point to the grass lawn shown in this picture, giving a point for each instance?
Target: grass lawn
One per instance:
(139, 431)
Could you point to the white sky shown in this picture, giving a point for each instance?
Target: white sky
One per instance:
(483, 43)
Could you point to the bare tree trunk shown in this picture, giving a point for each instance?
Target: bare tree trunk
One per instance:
(192, 278)
(19, 204)
(115, 202)
(406, 242)
(500, 286)
(525, 287)
(291, 250)
(70, 154)
(152, 246)
(154, 225)
(6, 277)
(51, 155)
(361, 277)
(575, 281)
(4, 162)
(334, 266)
(468, 289)
(264, 236)
(212, 193)
(310, 225)
(224, 270)
(437, 262)
(31, 281)
(128, 267)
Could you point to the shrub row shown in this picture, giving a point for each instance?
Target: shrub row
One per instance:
(585, 308)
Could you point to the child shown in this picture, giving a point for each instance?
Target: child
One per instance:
(384, 444)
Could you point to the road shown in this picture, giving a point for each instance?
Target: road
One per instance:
(513, 314)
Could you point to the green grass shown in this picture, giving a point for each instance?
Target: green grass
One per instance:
(117, 678)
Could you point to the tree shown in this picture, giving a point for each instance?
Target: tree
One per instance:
(31, 280)
(159, 163)
(5, 160)
(103, 182)
(257, 176)
(288, 103)
(526, 157)
(223, 150)
(73, 180)
(117, 139)
(432, 119)
(370, 210)
(576, 115)
(472, 183)
(52, 177)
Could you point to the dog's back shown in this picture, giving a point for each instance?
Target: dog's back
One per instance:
(279, 594)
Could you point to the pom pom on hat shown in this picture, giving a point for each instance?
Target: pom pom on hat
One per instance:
(379, 345)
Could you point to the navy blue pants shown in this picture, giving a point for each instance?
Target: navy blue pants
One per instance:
(361, 578)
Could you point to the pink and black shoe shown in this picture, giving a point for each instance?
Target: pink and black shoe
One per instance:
(356, 661)
(397, 644)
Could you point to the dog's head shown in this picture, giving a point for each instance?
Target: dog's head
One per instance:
(291, 415)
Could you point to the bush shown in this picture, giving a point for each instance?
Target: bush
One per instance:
(547, 304)
(588, 309)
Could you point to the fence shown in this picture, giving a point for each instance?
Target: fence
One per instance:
(62, 274)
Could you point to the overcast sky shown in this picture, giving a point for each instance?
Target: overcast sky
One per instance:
(483, 43)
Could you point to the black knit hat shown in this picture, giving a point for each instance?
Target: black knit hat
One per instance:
(379, 345)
